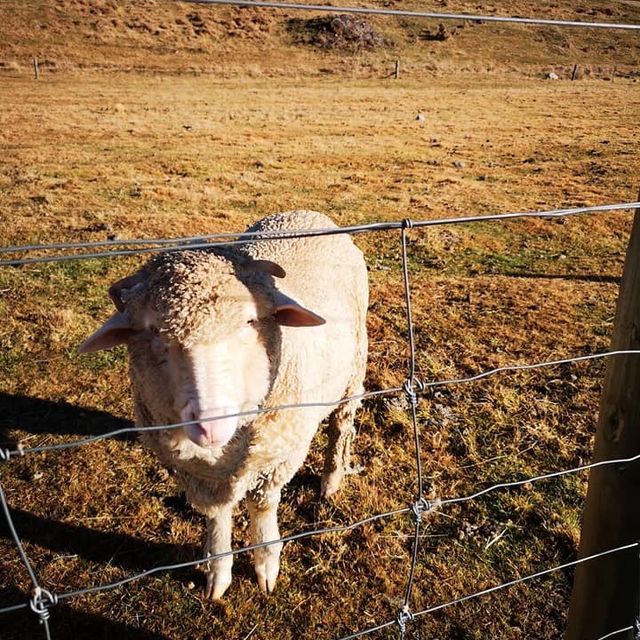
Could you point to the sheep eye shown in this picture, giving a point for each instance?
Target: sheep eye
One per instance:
(252, 322)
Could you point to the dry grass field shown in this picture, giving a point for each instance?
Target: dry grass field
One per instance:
(121, 151)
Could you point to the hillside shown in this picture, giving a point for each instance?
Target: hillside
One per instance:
(173, 36)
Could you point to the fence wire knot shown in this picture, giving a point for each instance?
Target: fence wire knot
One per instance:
(411, 387)
(5, 454)
(407, 223)
(404, 616)
(41, 602)
(421, 506)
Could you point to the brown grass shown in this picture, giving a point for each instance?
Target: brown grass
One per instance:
(91, 155)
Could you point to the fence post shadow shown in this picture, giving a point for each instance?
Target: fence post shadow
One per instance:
(577, 277)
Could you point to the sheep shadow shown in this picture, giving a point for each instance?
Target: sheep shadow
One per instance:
(65, 623)
(107, 548)
(116, 549)
(38, 416)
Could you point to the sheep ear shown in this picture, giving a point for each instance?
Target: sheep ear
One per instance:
(116, 330)
(288, 313)
(119, 289)
(267, 266)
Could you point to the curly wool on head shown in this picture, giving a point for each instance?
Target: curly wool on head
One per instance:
(193, 291)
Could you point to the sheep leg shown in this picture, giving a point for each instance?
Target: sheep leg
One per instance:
(218, 541)
(263, 513)
(337, 460)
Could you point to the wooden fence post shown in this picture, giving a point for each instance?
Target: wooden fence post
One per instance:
(36, 69)
(606, 591)
(396, 70)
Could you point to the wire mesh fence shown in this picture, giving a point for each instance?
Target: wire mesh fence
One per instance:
(413, 390)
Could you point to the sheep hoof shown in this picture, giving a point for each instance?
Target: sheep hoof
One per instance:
(217, 584)
(267, 574)
(331, 482)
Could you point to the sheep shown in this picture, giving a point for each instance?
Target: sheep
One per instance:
(209, 334)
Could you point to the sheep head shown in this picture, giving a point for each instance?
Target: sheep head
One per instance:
(203, 330)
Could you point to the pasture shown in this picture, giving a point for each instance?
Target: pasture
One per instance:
(96, 155)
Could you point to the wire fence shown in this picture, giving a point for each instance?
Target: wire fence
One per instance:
(413, 389)
(225, 239)
(42, 601)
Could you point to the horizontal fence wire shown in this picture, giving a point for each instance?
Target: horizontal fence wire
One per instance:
(617, 633)
(223, 239)
(433, 15)
(546, 476)
(421, 387)
(14, 607)
(202, 560)
(6, 454)
(235, 552)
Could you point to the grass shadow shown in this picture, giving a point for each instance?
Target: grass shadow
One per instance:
(579, 277)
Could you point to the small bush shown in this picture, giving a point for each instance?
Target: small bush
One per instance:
(345, 31)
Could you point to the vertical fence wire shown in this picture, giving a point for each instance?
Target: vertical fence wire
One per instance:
(41, 599)
(636, 623)
(412, 399)
(432, 15)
